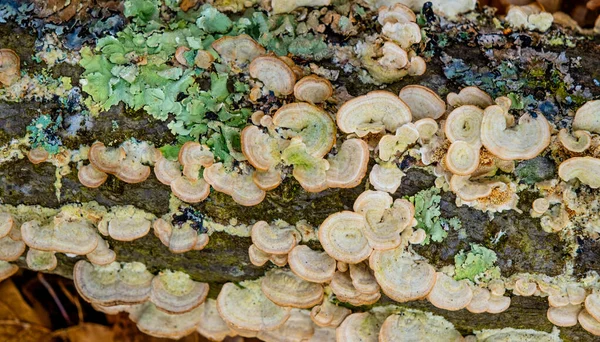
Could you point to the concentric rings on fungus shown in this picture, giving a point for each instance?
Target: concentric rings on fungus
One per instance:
(343, 288)
(314, 266)
(175, 292)
(586, 169)
(450, 294)
(10, 67)
(259, 148)
(349, 166)
(89, 176)
(37, 155)
(423, 102)
(273, 239)
(313, 89)
(342, 237)
(464, 124)
(578, 142)
(286, 289)
(274, 73)
(470, 96)
(64, 236)
(417, 327)
(239, 50)
(462, 159)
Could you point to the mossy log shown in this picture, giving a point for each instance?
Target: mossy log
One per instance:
(524, 248)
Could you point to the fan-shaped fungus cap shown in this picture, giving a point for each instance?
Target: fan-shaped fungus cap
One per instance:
(469, 190)
(76, 237)
(341, 235)
(246, 307)
(175, 292)
(417, 66)
(586, 169)
(183, 239)
(311, 123)
(37, 155)
(480, 301)
(417, 327)
(274, 74)
(113, 284)
(106, 159)
(592, 305)
(313, 89)
(179, 57)
(417, 237)
(166, 171)
(7, 223)
(7, 270)
(450, 294)
(363, 279)
(589, 323)
(155, 322)
(240, 187)
(128, 228)
(462, 158)
(372, 200)
(102, 255)
(586, 117)
(11, 250)
(396, 13)
(470, 96)
(427, 129)
(190, 191)
(10, 67)
(539, 207)
(578, 142)
(89, 176)
(284, 288)
(373, 113)
(259, 148)
(267, 180)
(423, 102)
(464, 124)
(297, 328)
(309, 171)
(344, 290)
(404, 34)
(498, 304)
(314, 266)
(211, 325)
(287, 6)
(273, 239)
(359, 327)
(524, 288)
(386, 177)
(278, 259)
(193, 157)
(203, 59)
(400, 277)
(394, 57)
(523, 141)
(239, 49)
(384, 225)
(564, 316)
(40, 260)
(390, 145)
(349, 166)
(257, 257)
(132, 171)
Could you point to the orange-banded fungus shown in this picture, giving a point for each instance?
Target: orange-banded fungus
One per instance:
(286, 289)
(211, 325)
(329, 314)
(391, 145)
(298, 327)
(309, 171)
(240, 187)
(342, 237)
(274, 73)
(11, 250)
(524, 141)
(312, 124)
(589, 323)
(313, 89)
(386, 177)
(349, 166)
(267, 180)
(341, 285)
(246, 307)
(410, 326)
(175, 292)
(132, 171)
(394, 57)
(278, 259)
(384, 225)
(480, 301)
(152, 321)
(586, 169)
(462, 158)
(498, 304)
(203, 59)
(396, 13)
(190, 191)
(40, 260)
(64, 236)
(7, 270)
(10, 67)
(314, 266)
(374, 112)
(128, 228)
(372, 200)
(261, 150)
(427, 129)
(464, 124)
(272, 239)
(578, 142)
(102, 255)
(359, 327)
(417, 66)
(450, 294)
(193, 157)
(470, 96)
(523, 287)
(37, 155)
(239, 50)
(89, 176)
(257, 257)
(417, 237)
(166, 171)
(564, 316)
(400, 277)
(363, 279)
(586, 117)
(113, 284)
(7, 223)
(592, 305)
(423, 102)
(106, 159)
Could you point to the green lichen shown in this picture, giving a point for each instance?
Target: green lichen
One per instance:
(475, 263)
(43, 133)
(427, 213)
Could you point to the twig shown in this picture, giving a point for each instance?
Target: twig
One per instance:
(55, 297)
(73, 299)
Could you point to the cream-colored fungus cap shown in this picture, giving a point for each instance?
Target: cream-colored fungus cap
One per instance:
(175, 292)
(586, 169)
(89, 176)
(343, 288)
(7, 223)
(464, 124)
(310, 265)
(37, 155)
(578, 142)
(462, 158)
(64, 236)
(592, 305)
(386, 177)
(11, 250)
(396, 13)
(261, 150)
(372, 200)
(498, 304)
(329, 314)
(102, 255)
(155, 322)
(423, 102)
(284, 288)
(384, 225)
(10, 67)
(363, 279)
(166, 171)
(589, 323)
(274, 73)
(40, 260)
(394, 57)
(480, 301)
(313, 89)
(359, 327)
(238, 50)
(106, 159)
(267, 180)
(272, 239)
(391, 145)
(190, 190)
(427, 129)
(564, 316)
(128, 228)
(342, 237)
(523, 287)
(211, 325)
(298, 327)
(450, 294)
(239, 186)
(586, 117)
(349, 166)
(470, 96)
(469, 190)
(7, 270)
(417, 327)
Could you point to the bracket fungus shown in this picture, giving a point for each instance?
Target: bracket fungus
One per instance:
(37, 155)
(313, 89)
(329, 314)
(592, 305)
(396, 13)
(464, 124)
(400, 277)
(384, 224)
(175, 292)
(89, 176)
(150, 320)
(41, 260)
(589, 323)
(586, 117)
(261, 150)
(462, 158)
(342, 237)
(343, 288)
(181, 239)
(240, 187)
(286, 289)
(272, 239)
(7, 270)
(374, 112)
(349, 166)
(386, 177)
(167, 171)
(112, 284)
(274, 73)
(417, 326)
(310, 265)
(423, 102)
(211, 325)
(358, 327)
(564, 316)
(362, 278)
(11, 250)
(309, 171)
(390, 145)
(128, 228)
(246, 307)
(578, 142)
(190, 190)
(64, 236)
(586, 169)
(102, 255)
(450, 294)
(239, 50)
(470, 96)
(524, 141)
(10, 67)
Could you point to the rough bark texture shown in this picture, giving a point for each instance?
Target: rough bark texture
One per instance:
(526, 248)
